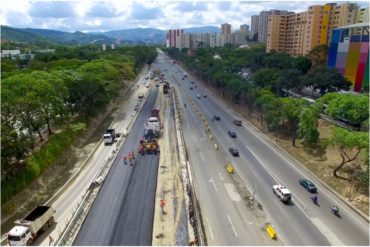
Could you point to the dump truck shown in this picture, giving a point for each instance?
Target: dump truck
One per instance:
(154, 122)
(109, 136)
(28, 228)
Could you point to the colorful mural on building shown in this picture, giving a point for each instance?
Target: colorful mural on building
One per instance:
(350, 55)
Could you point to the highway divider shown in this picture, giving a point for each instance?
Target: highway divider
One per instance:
(194, 220)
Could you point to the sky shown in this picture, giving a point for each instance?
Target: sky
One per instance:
(98, 16)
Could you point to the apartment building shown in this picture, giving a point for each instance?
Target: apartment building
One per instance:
(174, 38)
(362, 16)
(263, 23)
(299, 33)
(254, 26)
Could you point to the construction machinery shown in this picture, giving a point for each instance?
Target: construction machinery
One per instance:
(149, 143)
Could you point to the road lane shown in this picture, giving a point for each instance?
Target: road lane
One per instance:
(349, 230)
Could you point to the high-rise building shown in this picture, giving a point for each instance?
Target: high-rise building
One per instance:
(244, 28)
(299, 33)
(254, 26)
(174, 38)
(263, 22)
(225, 28)
(362, 16)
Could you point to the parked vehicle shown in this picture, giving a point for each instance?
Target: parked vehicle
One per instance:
(282, 192)
(28, 228)
(191, 88)
(198, 96)
(216, 117)
(204, 95)
(109, 136)
(234, 151)
(237, 122)
(308, 185)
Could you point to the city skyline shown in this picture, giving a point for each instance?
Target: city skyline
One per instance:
(95, 16)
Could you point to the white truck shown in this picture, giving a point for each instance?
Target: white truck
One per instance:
(154, 124)
(109, 136)
(282, 192)
(28, 228)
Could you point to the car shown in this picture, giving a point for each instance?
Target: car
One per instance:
(282, 192)
(146, 78)
(147, 85)
(216, 117)
(191, 88)
(192, 82)
(157, 85)
(205, 95)
(232, 133)
(183, 78)
(198, 96)
(234, 151)
(308, 185)
(237, 122)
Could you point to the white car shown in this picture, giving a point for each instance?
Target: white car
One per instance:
(282, 192)
(198, 96)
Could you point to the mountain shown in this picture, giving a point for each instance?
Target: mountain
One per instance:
(205, 29)
(152, 35)
(17, 35)
(146, 35)
(52, 36)
(70, 38)
(128, 36)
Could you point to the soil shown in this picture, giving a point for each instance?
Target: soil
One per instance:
(40, 190)
(321, 162)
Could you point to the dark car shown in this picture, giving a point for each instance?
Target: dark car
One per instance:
(192, 82)
(232, 133)
(216, 117)
(234, 151)
(308, 185)
(191, 88)
(237, 122)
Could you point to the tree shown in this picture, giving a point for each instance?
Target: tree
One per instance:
(318, 55)
(302, 64)
(265, 78)
(307, 127)
(288, 79)
(292, 109)
(352, 108)
(326, 79)
(349, 144)
(278, 61)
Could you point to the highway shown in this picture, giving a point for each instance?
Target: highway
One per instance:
(125, 203)
(260, 166)
(71, 194)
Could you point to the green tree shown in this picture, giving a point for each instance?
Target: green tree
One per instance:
(349, 144)
(302, 64)
(326, 79)
(266, 78)
(307, 127)
(318, 55)
(292, 109)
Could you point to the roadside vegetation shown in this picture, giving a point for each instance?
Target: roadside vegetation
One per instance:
(265, 92)
(49, 101)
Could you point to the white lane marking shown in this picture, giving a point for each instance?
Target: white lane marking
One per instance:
(220, 175)
(264, 167)
(202, 157)
(236, 235)
(332, 238)
(232, 192)
(194, 138)
(211, 180)
(210, 229)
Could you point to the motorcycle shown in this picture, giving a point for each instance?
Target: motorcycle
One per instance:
(335, 210)
(315, 200)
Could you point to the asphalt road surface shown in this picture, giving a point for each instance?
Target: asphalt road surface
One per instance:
(125, 202)
(262, 165)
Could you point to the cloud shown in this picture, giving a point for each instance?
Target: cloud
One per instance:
(102, 9)
(55, 9)
(189, 7)
(138, 11)
(224, 6)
